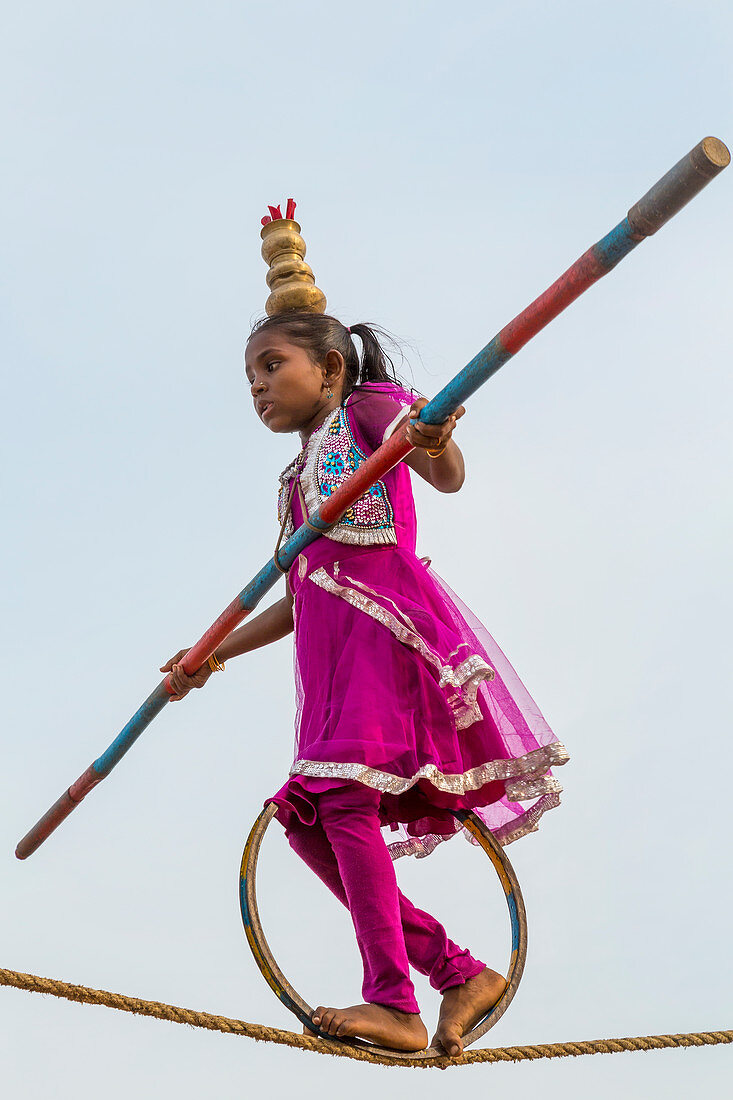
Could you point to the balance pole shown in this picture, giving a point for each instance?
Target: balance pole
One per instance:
(673, 191)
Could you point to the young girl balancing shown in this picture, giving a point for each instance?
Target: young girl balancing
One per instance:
(406, 708)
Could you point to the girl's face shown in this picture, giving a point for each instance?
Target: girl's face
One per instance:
(288, 388)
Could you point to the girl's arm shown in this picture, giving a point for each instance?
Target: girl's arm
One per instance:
(447, 472)
(274, 623)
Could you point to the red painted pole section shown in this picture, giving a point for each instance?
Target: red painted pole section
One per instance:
(60, 810)
(584, 272)
(230, 618)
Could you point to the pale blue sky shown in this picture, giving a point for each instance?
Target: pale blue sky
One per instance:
(448, 164)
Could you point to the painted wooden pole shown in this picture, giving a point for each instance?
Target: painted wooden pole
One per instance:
(661, 203)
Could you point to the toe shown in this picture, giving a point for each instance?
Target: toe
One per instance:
(451, 1042)
(453, 1047)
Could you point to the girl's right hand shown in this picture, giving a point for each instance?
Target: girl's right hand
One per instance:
(180, 682)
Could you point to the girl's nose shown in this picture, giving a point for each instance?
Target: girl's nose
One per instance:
(256, 387)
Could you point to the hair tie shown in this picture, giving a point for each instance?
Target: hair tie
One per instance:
(348, 329)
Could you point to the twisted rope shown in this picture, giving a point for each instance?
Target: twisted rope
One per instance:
(35, 984)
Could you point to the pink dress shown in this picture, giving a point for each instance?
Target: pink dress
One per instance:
(398, 686)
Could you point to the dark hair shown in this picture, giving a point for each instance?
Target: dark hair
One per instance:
(320, 333)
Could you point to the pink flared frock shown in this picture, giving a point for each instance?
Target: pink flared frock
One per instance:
(398, 685)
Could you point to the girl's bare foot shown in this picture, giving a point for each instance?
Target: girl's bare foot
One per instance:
(462, 1008)
(387, 1027)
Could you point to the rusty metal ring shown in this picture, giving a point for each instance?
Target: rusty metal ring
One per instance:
(292, 1000)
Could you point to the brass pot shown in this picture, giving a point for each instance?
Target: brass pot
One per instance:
(290, 279)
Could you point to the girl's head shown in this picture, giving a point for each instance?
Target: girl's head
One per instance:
(300, 364)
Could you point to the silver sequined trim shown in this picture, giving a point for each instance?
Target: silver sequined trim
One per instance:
(420, 846)
(528, 822)
(522, 790)
(533, 764)
(290, 472)
(308, 479)
(466, 676)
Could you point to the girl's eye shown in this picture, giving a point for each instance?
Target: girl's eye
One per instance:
(269, 366)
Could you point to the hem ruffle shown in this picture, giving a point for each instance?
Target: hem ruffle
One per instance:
(464, 677)
(524, 779)
(524, 776)
(528, 822)
(459, 674)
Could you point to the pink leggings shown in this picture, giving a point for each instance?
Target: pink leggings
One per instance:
(346, 850)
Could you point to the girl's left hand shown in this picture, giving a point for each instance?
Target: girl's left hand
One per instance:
(431, 436)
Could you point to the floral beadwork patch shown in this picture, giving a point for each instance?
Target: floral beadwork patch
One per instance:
(332, 454)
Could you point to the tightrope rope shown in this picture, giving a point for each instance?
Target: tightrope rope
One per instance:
(35, 984)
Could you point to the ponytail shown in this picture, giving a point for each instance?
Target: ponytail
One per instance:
(375, 365)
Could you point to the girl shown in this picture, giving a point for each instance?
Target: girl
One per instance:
(406, 709)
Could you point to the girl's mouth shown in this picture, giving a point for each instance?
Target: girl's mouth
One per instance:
(265, 408)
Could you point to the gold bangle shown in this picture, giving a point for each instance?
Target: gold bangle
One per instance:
(215, 664)
(437, 454)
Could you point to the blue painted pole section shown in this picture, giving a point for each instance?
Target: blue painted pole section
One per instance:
(249, 597)
(127, 737)
(268, 576)
(488, 361)
(617, 244)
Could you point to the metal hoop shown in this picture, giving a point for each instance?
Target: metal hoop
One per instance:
(292, 1000)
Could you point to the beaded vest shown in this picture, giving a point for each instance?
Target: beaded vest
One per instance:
(331, 454)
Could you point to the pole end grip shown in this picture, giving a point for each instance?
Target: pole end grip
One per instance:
(711, 156)
(60, 810)
(43, 828)
(681, 183)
